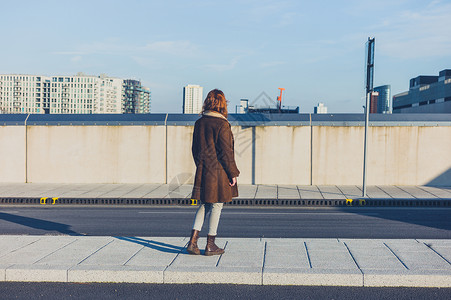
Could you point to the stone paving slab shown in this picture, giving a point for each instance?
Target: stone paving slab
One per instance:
(122, 190)
(417, 192)
(376, 192)
(331, 192)
(179, 191)
(159, 192)
(100, 190)
(351, 191)
(246, 191)
(309, 192)
(396, 192)
(76, 252)
(141, 191)
(266, 191)
(288, 192)
(333, 262)
(36, 251)
(443, 192)
(158, 252)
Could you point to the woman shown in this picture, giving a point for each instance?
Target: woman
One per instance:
(216, 171)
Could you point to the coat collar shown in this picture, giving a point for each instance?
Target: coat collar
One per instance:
(212, 113)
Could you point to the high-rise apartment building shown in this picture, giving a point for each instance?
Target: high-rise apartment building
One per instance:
(79, 94)
(383, 99)
(320, 109)
(136, 98)
(426, 94)
(192, 99)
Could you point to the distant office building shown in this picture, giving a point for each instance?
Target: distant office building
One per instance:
(192, 99)
(373, 102)
(383, 99)
(79, 94)
(136, 98)
(320, 109)
(426, 94)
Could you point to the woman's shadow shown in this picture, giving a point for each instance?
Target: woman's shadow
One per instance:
(159, 246)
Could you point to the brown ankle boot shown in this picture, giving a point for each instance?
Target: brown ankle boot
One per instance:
(192, 245)
(211, 248)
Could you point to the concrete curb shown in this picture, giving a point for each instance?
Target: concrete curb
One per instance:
(357, 202)
(247, 276)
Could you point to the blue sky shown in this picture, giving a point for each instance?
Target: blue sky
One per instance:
(313, 49)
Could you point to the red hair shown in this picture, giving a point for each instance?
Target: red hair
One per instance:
(215, 101)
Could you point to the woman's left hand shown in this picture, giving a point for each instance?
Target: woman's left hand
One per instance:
(233, 182)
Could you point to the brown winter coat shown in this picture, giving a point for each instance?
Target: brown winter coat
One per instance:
(213, 153)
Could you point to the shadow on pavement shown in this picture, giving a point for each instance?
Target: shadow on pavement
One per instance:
(443, 179)
(38, 223)
(159, 246)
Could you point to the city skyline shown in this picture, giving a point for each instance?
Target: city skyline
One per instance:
(74, 94)
(313, 50)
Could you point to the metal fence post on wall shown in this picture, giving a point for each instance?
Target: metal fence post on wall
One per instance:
(365, 143)
(369, 70)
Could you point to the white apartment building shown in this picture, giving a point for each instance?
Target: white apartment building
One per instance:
(79, 94)
(192, 99)
(320, 109)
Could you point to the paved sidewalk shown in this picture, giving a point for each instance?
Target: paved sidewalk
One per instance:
(333, 262)
(175, 191)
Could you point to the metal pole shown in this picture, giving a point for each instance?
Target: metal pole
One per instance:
(367, 114)
(369, 88)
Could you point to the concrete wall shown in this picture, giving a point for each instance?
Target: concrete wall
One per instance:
(282, 155)
(397, 155)
(97, 154)
(12, 154)
(180, 164)
(319, 155)
(337, 155)
(245, 152)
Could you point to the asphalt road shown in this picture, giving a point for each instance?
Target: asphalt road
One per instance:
(17, 290)
(371, 223)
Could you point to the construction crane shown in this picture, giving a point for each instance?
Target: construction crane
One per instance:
(279, 98)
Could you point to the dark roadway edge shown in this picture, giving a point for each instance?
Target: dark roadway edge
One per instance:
(359, 202)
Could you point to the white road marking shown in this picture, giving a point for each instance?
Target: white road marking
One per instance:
(262, 213)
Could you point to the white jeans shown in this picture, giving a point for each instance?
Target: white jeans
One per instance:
(211, 211)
